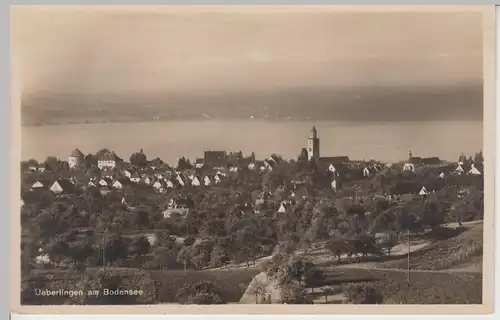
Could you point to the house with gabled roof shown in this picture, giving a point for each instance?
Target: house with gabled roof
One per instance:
(135, 177)
(105, 182)
(368, 172)
(431, 161)
(409, 167)
(41, 184)
(423, 192)
(475, 170)
(63, 187)
(333, 185)
(156, 163)
(207, 181)
(180, 180)
(107, 173)
(107, 159)
(158, 176)
(159, 184)
(215, 158)
(251, 165)
(147, 180)
(459, 169)
(120, 183)
(195, 182)
(169, 183)
(199, 163)
(282, 208)
(217, 179)
(127, 173)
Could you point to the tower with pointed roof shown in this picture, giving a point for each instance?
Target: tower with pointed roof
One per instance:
(75, 158)
(313, 144)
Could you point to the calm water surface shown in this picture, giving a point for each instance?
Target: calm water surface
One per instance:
(170, 140)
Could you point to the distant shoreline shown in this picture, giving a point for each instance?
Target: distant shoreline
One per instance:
(358, 122)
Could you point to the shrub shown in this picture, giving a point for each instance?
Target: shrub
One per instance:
(363, 294)
(294, 293)
(228, 282)
(203, 292)
(205, 298)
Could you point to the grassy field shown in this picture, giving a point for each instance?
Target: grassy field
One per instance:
(231, 283)
(445, 254)
(425, 288)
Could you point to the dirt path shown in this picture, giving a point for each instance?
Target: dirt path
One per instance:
(371, 267)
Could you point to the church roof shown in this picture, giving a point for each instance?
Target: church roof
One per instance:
(334, 160)
(76, 153)
(107, 156)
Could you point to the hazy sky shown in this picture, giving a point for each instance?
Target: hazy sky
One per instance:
(76, 50)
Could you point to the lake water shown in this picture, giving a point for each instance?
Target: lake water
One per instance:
(388, 141)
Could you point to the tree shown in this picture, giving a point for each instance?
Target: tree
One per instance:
(184, 256)
(258, 289)
(189, 241)
(219, 257)
(184, 164)
(165, 258)
(115, 248)
(52, 163)
(303, 155)
(363, 294)
(389, 241)
(313, 277)
(294, 270)
(90, 161)
(81, 250)
(294, 293)
(140, 218)
(338, 247)
(478, 159)
(140, 246)
(57, 249)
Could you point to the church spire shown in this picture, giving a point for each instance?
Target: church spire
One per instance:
(314, 132)
(313, 144)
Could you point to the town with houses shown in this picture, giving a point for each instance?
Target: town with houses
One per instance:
(214, 167)
(226, 211)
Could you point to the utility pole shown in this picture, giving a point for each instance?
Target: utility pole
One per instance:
(408, 262)
(104, 249)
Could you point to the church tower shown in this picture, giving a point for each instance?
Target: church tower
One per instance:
(313, 145)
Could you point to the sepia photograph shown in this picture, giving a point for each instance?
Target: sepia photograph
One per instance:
(258, 156)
